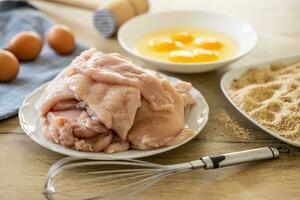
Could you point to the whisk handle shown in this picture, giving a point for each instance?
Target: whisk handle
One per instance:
(235, 158)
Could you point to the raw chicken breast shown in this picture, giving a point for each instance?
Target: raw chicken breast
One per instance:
(104, 102)
(153, 129)
(114, 105)
(184, 89)
(117, 145)
(115, 70)
(57, 90)
(96, 143)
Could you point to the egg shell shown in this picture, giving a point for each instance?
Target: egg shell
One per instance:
(26, 45)
(61, 39)
(9, 66)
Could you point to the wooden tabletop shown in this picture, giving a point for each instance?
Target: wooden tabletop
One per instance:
(24, 164)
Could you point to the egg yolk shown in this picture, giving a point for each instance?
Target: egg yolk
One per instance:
(199, 55)
(209, 43)
(165, 44)
(184, 37)
(181, 56)
(186, 45)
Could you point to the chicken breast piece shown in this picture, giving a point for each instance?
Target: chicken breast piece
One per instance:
(54, 92)
(114, 105)
(184, 89)
(59, 126)
(117, 145)
(153, 129)
(64, 127)
(96, 143)
(113, 69)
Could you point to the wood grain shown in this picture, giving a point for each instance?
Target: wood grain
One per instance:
(24, 164)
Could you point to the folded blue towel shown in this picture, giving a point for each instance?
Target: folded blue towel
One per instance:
(34, 73)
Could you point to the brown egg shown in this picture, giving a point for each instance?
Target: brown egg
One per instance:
(25, 46)
(61, 39)
(9, 66)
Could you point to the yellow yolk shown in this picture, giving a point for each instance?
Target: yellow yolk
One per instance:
(197, 55)
(186, 45)
(181, 56)
(184, 37)
(201, 55)
(164, 44)
(208, 43)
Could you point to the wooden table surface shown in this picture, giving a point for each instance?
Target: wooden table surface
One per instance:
(24, 164)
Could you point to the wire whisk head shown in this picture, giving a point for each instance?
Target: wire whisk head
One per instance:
(72, 178)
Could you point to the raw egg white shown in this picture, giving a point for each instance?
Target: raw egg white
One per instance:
(184, 37)
(164, 45)
(208, 43)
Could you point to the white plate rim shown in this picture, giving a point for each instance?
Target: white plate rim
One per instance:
(30, 129)
(228, 77)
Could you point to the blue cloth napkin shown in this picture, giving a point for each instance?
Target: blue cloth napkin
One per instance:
(34, 73)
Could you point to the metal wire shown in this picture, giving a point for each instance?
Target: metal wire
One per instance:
(109, 184)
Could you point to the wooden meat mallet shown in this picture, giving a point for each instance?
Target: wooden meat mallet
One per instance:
(109, 15)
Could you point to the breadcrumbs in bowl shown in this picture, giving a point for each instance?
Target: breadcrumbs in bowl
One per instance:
(271, 96)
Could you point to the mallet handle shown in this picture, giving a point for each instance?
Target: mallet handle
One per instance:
(85, 4)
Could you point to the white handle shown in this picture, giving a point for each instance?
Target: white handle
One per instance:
(223, 160)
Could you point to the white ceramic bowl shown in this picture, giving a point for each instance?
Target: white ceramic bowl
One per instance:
(137, 27)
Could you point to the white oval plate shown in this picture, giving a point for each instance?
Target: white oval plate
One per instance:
(29, 121)
(236, 73)
(137, 27)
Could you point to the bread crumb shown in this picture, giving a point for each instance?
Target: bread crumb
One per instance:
(272, 97)
(233, 127)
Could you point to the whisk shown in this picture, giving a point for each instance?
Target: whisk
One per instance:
(121, 179)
